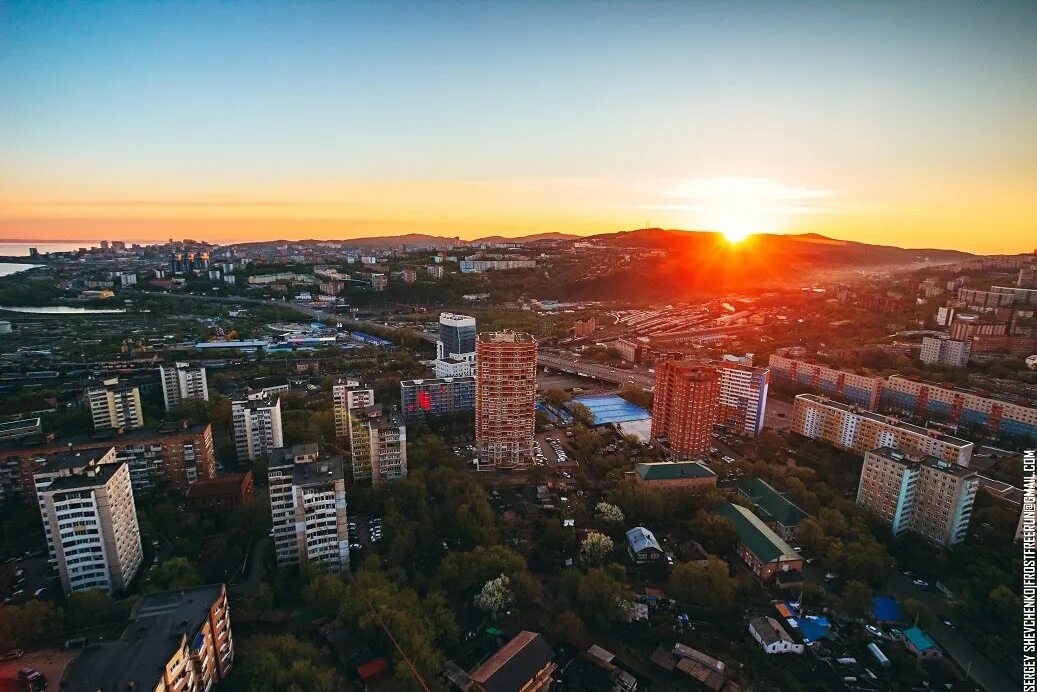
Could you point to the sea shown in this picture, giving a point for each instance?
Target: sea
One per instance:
(17, 248)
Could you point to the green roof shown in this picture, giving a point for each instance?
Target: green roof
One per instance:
(771, 504)
(672, 470)
(766, 545)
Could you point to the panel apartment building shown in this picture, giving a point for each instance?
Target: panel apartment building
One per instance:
(257, 426)
(114, 406)
(376, 437)
(176, 641)
(922, 494)
(505, 398)
(182, 382)
(852, 428)
(686, 405)
(959, 406)
(308, 507)
(441, 396)
(862, 390)
(951, 352)
(743, 398)
(90, 521)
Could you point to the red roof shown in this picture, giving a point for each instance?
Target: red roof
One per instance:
(220, 485)
(375, 666)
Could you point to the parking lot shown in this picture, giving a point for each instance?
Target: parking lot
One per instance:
(50, 662)
(778, 414)
(550, 451)
(363, 532)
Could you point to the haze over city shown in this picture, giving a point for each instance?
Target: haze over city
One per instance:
(908, 124)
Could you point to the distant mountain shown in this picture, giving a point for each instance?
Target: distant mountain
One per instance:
(527, 238)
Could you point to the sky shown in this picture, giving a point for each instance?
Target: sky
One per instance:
(901, 123)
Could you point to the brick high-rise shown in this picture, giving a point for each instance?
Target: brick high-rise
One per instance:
(687, 396)
(505, 398)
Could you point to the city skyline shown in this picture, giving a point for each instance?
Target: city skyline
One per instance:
(881, 123)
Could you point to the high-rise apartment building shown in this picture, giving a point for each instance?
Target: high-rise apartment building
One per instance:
(114, 406)
(959, 406)
(376, 437)
(422, 399)
(90, 521)
(308, 507)
(257, 426)
(852, 388)
(687, 400)
(923, 494)
(505, 398)
(181, 381)
(743, 397)
(455, 348)
(937, 351)
(852, 428)
(176, 641)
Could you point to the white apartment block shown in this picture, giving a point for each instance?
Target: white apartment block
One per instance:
(115, 406)
(922, 494)
(455, 348)
(347, 395)
(90, 521)
(181, 382)
(852, 428)
(308, 507)
(257, 426)
(937, 351)
(376, 437)
(743, 397)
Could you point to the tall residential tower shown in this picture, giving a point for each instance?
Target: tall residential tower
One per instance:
(505, 398)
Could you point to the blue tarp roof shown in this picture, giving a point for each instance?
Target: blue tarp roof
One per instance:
(919, 639)
(885, 609)
(814, 628)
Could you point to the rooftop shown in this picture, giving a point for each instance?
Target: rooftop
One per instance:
(886, 420)
(220, 485)
(612, 408)
(505, 337)
(769, 503)
(919, 639)
(95, 477)
(73, 460)
(109, 436)
(905, 459)
(287, 455)
(158, 624)
(438, 380)
(757, 536)
(325, 470)
(639, 538)
(514, 664)
(672, 470)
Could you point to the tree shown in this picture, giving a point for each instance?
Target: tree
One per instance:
(496, 596)
(29, 624)
(89, 607)
(811, 535)
(596, 549)
(832, 521)
(915, 613)
(707, 582)
(637, 396)
(715, 533)
(582, 414)
(856, 601)
(603, 599)
(175, 573)
(555, 397)
(609, 512)
(271, 663)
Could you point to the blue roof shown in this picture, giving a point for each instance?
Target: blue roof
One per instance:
(639, 538)
(612, 408)
(814, 628)
(885, 609)
(919, 639)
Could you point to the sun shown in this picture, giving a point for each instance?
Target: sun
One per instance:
(735, 235)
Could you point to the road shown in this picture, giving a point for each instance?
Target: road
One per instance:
(982, 671)
(572, 364)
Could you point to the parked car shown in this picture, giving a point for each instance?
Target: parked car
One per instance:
(11, 655)
(33, 679)
(920, 583)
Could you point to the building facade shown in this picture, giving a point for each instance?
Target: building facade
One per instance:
(505, 398)
(375, 436)
(114, 406)
(686, 405)
(308, 507)
(176, 641)
(959, 406)
(181, 382)
(455, 348)
(91, 524)
(922, 494)
(862, 390)
(422, 399)
(937, 351)
(257, 426)
(743, 398)
(857, 430)
(685, 476)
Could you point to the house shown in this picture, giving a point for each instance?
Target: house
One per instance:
(685, 476)
(609, 676)
(774, 508)
(525, 664)
(921, 644)
(642, 546)
(761, 549)
(773, 637)
(708, 671)
(221, 492)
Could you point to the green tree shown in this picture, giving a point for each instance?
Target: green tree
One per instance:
(582, 414)
(496, 596)
(708, 582)
(637, 396)
(603, 599)
(596, 549)
(856, 599)
(272, 663)
(715, 533)
(175, 573)
(29, 624)
(85, 608)
(555, 397)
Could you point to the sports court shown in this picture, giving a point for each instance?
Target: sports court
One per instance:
(612, 408)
